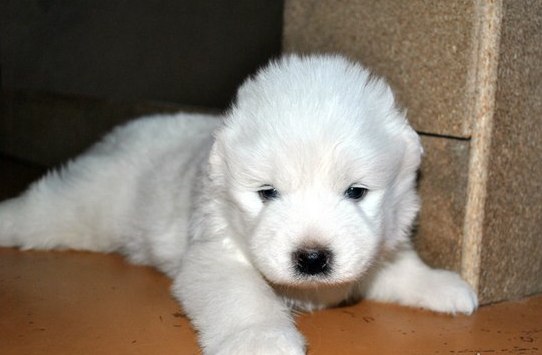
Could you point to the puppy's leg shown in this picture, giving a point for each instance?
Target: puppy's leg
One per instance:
(231, 305)
(406, 280)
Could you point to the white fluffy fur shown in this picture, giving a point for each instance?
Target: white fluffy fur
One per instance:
(167, 191)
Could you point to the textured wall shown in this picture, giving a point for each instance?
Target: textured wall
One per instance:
(511, 263)
(443, 187)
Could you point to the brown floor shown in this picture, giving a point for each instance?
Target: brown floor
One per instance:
(86, 303)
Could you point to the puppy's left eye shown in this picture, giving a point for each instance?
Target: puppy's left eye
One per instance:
(268, 193)
(355, 192)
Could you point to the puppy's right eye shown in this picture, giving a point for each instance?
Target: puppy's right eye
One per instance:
(356, 192)
(268, 193)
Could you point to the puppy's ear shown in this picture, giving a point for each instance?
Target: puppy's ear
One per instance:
(407, 202)
(216, 159)
(414, 150)
(218, 167)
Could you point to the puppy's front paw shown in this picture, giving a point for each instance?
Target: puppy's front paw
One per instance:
(261, 340)
(445, 291)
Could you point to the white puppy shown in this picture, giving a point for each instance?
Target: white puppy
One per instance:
(303, 196)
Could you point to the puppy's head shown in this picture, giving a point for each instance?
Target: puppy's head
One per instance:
(318, 169)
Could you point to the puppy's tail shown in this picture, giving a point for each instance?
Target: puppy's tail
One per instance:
(47, 216)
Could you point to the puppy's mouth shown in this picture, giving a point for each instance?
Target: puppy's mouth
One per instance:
(313, 267)
(313, 282)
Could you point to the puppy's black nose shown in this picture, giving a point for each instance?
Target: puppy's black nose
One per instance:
(312, 261)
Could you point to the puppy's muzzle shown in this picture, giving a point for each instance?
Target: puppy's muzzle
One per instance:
(312, 261)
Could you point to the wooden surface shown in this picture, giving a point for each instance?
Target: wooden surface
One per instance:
(86, 303)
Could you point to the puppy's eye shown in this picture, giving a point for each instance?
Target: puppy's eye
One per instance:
(355, 192)
(268, 193)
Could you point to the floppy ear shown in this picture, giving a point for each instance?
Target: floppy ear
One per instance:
(406, 202)
(216, 159)
(414, 150)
